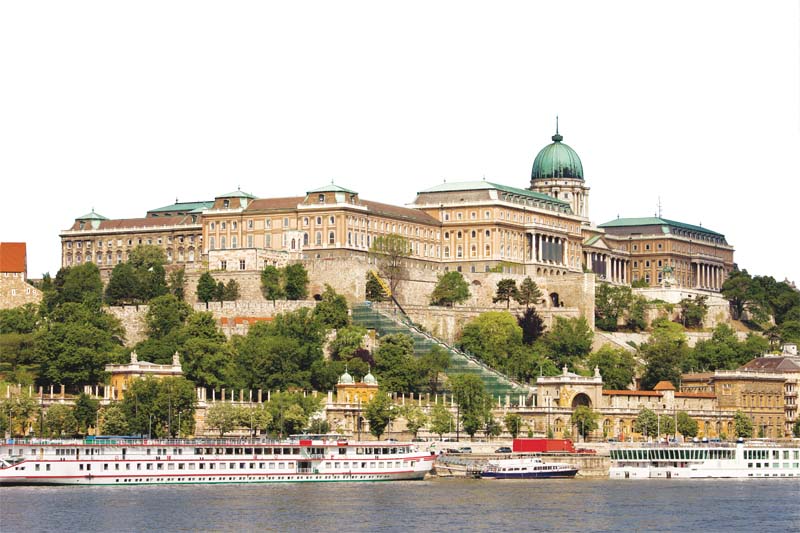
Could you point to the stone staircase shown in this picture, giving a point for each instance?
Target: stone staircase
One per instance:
(386, 323)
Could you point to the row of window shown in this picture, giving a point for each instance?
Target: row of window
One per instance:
(135, 242)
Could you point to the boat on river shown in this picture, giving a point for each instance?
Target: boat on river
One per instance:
(526, 468)
(751, 459)
(135, 461)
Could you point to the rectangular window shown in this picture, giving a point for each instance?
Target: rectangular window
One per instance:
(241, 264)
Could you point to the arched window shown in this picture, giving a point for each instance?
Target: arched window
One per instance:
(318, 238)
(294, 244)
(447, 251)
(119, 256)
(211, 243)
(473, 251)
(459, 251)
(222, 243)
(331, 237)
(305, 239)
(234, 242)
(319, 221)
(474, 234)
(191, 255)
(487, 250)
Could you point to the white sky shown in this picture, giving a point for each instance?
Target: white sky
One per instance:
(124, 106)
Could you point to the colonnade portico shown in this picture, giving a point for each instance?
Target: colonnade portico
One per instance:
(610, 268)
(544, 248)
(708, 275)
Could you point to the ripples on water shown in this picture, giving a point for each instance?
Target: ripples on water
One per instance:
(438, 505)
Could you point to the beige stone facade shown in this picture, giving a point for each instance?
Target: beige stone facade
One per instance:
(15, 290)
(759, 395)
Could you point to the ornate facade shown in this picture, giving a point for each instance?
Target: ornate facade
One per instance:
(475, 226)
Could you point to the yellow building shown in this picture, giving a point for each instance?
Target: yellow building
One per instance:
(348, 391)
(123, 375)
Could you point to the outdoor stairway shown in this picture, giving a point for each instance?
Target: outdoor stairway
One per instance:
(497, 384)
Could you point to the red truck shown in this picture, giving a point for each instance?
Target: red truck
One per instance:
(542, 445)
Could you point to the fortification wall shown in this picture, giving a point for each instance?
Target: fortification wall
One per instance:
(132, 318)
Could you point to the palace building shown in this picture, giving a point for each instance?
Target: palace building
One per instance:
(542, 231)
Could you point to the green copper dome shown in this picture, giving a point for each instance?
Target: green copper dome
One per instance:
(557, 160)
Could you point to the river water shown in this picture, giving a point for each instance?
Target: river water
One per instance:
(436, 505)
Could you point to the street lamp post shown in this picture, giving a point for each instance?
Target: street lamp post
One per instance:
(150, 426)
(179, 423)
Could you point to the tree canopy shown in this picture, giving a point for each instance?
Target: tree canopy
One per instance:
(451, 289)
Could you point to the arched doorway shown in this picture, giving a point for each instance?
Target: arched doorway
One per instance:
(581, 399)
(554, 299)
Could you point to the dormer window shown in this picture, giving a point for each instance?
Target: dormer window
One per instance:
(81, 225)
(321, 198)
(226, 203)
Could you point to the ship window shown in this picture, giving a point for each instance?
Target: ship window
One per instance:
(160, 466)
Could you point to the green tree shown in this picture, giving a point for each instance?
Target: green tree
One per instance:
(433, 363)
(166, 314)
(348, 341)
(441, 420)
(271, 284)
(123, 286)
(395, 365)
(617, 366)
(23, 319)
(59, 421)
(219, 292)
(331, 310)
(636, 320)
(206, 288)
(374, 290)
(664, 354)
(506, 291)
(569, 340)
(379, 411)
(205, 355)
(85, 413)
(113, 421)
(18, 412)
(796, 428)
(513, 423)
(492, 337)
(291, 412)
(77, 344)
(415, 418)
(177, 283)
(223, 417)
(451, 289)
(148, 261)
(390, 252)
(296, 282)
(585, 420)
(474, 403)
(693, 311)
(646, 423)
(82, 284)
(231, 291)
(687, 426)
(151, 406)
(745, 294)
(610, 303)
(532, 325)
(742, 425)
(529, 293)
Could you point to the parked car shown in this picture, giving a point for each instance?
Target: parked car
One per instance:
(465, 449)
(503, 449)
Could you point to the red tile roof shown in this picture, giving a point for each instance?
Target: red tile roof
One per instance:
(12, 257)
(664, 385)
(275, 203)
(631, 393)
(135, 223)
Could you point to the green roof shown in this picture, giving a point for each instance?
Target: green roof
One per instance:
(237, 194)
(92, 216)
(183, 207)
(656, 221)
(331, 187)
(488, 185)
(557, 160)
(591, 240)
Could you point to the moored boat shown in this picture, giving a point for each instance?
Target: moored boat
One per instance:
(526, 468)
(126, 461)
(752, 459)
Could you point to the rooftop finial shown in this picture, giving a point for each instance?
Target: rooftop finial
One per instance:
(557, 137)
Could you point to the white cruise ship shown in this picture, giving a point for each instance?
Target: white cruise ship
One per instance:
(752, 459)
(125, 461)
